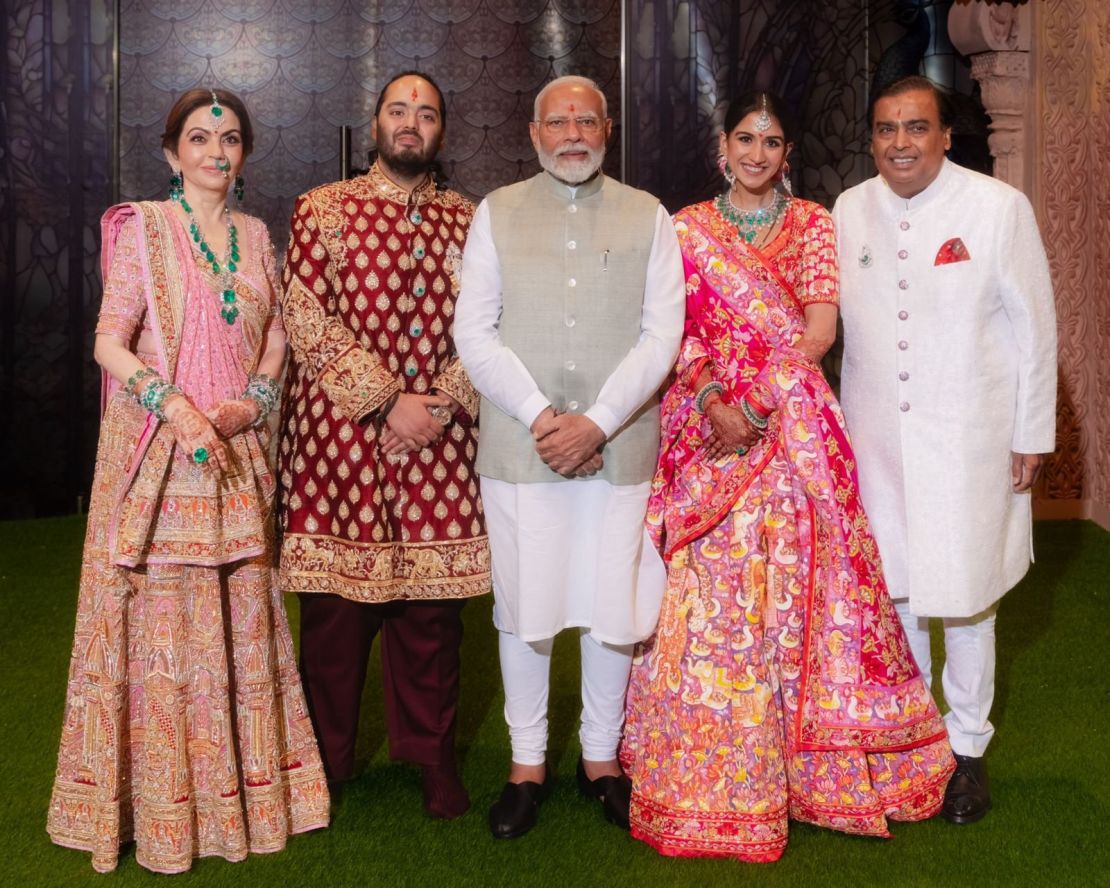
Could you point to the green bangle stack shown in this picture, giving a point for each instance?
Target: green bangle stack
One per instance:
(703, 394)
(154, 397)
(263, 390)
(760, 422)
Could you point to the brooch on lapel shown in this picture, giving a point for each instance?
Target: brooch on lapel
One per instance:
(952, 251)
(865, 258)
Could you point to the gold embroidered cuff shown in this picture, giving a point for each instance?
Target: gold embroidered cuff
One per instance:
(357, 384)
(452, 380)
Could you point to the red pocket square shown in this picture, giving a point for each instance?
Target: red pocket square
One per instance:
(952, 251)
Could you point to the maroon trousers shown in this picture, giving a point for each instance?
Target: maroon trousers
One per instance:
(420, 672)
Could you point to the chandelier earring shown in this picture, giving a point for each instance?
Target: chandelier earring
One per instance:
(784, 178)
(177, 186)
(240, 188)
(722, 165)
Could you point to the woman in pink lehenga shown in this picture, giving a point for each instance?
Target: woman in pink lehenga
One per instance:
(779, 683)
(185, 726)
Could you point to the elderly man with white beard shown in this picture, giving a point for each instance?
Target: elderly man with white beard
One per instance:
(569, 319)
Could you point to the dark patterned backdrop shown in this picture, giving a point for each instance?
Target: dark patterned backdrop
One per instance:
(54, 164)
(306, 68)
(688, 58)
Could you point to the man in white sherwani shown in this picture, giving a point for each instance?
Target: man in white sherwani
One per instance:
(568, 321)
(949, 389)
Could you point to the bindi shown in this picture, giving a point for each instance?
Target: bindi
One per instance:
(415, 94)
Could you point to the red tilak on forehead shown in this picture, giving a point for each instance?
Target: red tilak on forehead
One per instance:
(415, 95)
(572, 109)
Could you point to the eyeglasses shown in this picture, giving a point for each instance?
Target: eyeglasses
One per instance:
(559, 124)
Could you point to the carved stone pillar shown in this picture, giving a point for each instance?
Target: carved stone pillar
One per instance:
(997, 37)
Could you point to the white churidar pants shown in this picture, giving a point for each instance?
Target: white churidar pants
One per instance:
(968, 676)
(570, 554)
(525, 670)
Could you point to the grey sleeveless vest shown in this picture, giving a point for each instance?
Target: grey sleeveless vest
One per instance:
(573, 272)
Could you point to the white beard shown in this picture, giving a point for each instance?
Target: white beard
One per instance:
(573, 172)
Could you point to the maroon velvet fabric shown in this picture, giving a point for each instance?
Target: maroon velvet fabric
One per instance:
(420, 675)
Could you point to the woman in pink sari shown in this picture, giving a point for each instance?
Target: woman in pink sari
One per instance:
(779, 683)
(185, 726)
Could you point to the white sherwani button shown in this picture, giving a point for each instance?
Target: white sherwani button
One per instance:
(572, 283)
(569, 321)
(573, 208)
(903, 376)
(572, 406)
(903, 284)
(904, 406)
(569, 365)
(904, 225)
(902, 315)
(572, 245)
(903, 345)
(903, 254)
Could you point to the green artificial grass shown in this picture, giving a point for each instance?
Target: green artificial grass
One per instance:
(1049, 763)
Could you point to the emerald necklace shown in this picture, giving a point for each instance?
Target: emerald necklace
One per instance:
(228, 310)
(749, 222)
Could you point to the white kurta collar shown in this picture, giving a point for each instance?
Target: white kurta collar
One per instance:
(899, 206)
(574, 192)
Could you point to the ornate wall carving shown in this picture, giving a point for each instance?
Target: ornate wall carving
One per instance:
(997, 36)
(1072, 80)
(1004, 78)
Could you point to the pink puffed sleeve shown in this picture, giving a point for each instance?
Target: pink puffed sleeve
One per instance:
(820, 275)
(123, 305)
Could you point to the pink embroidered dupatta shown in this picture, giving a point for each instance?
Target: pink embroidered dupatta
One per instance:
(860, 686)
(168, 510)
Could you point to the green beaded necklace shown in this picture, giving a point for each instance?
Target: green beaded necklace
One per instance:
(228, 311)
(749, 222)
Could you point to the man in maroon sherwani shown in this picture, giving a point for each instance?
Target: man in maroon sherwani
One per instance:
(383, 528)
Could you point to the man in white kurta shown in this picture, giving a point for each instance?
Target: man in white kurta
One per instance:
(568, 321)
(949, 390)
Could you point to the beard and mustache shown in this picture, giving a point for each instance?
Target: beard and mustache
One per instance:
(408, 160)
(573, 170)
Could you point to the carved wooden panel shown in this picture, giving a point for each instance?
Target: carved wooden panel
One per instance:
(1073, 47)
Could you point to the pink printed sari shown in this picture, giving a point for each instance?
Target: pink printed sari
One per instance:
(185, 725)
(167, 509)
(779, 683)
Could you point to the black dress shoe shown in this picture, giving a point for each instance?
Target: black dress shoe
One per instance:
(515, 812)
(614, 793)
(968, 796)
